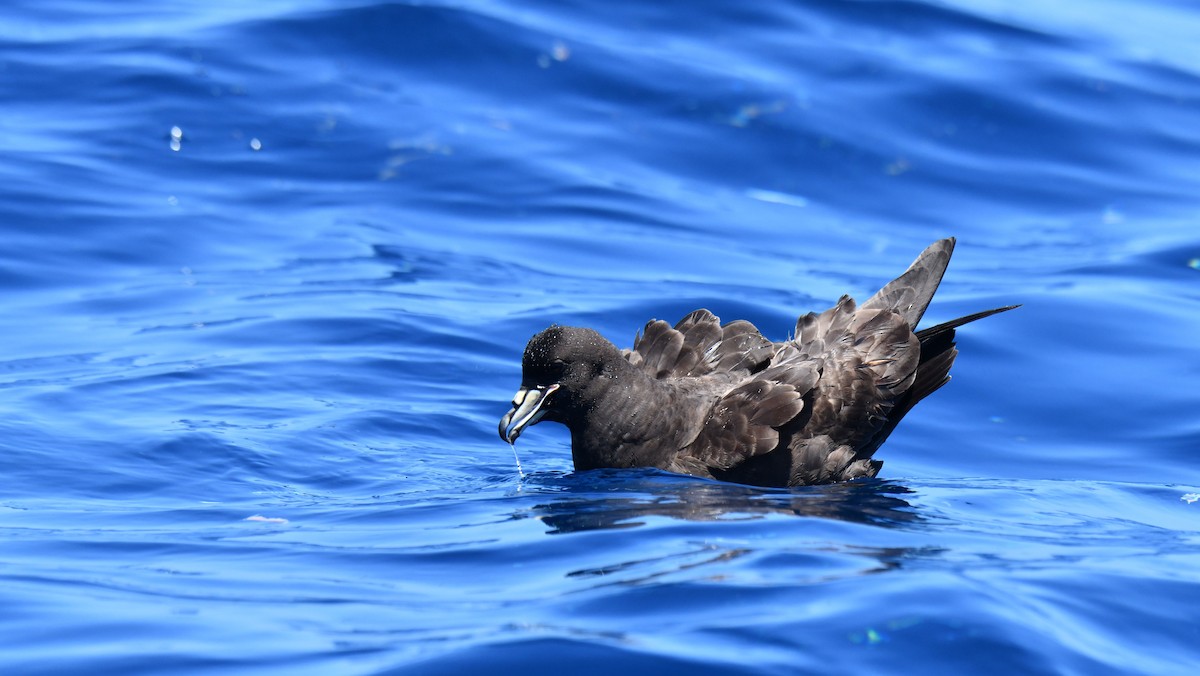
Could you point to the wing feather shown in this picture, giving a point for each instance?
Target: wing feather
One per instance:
(698, 345)
(744, 423)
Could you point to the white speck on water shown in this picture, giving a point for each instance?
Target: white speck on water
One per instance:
(777, 197)
(255, 144)
(265, 519)
(1190, 497)
(560, 51)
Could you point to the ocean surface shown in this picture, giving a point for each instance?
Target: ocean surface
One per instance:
(267, 270)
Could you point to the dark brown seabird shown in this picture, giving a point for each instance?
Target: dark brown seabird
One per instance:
(723, 402)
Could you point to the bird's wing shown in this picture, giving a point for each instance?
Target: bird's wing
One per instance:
(909, 294)
(867, 359)
(698, 345)
(745, 421)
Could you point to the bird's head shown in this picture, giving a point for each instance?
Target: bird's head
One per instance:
(559, 365)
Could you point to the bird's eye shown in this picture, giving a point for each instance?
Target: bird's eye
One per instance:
(557, 368)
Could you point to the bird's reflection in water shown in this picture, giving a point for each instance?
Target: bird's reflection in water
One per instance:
(625, 499)
(605, 499)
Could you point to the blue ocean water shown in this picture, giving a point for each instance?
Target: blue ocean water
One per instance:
(268, 268)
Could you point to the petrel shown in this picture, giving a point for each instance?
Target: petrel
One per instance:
(723, 402)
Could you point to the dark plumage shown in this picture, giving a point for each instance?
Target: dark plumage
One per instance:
(721, 401)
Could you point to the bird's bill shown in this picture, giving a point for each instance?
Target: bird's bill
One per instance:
(528, 408)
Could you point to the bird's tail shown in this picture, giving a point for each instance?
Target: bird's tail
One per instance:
(933, 369)
(909, 295)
